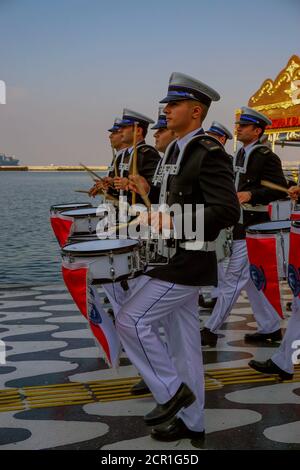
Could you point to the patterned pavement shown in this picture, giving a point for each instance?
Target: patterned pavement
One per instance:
(53, 393)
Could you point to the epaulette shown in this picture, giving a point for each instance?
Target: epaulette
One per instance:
(145, 147)
(209, 145)
(265, 150)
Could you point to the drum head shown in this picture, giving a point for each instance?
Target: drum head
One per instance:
(95, 247)
(70, 205)
(270, 227)
(78, 213)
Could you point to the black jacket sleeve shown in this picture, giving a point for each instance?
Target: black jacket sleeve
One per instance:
(222, 207)
(147, 161)
(271, 171)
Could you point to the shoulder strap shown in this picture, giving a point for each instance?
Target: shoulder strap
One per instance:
(144, 147)
(264, 149)
(206, 141)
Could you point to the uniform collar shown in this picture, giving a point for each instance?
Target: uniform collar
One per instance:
(248, 147)
(185, 139)
(141, 142)
(119, 152)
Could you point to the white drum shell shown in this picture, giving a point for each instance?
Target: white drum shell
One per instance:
(281, 209)
(84, 223)
(282, 244)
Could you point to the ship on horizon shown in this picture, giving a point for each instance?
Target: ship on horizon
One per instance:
(6, 160)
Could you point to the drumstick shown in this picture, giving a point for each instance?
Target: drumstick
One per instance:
(81, 191)
(143, 195)
(269, 184)
(107, 196)
(92, 173)
(134, 159)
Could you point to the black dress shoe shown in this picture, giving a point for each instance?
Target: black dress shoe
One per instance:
(176, 430)
(140, 388)
(208, 338)
(263, 337)
(209, 304)
(106, 300)
(183, 398)
(269, 367)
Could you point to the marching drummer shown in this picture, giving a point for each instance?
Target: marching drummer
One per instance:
(170, 293)
(252, 163)
(118, 147)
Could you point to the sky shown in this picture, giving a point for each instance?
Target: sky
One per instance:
(71, 66)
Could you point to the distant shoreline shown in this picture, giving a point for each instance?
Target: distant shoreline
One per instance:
(50, 168)
(45, 168)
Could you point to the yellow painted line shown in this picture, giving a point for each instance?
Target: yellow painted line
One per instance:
(58, 397)
(12, 408)
(99, 387)
(55, 392)
(11, 403)
(3, 394)
(2, 399)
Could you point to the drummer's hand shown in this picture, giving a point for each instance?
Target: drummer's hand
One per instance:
(294, 192)
(96, 189)
(107, 182)
(138, 184)
(121, 183)
(159, 221)
(244, 196)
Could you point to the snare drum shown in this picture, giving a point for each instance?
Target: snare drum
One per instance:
(108, 260)
(85, 220)
(62, 226)
(259, 235)
(280, 210)
(57, 208)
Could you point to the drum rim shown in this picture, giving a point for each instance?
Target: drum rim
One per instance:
(103, 252)
(81, 216)
(265, 231)
(75, 204)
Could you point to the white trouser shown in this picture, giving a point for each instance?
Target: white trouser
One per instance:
(118, 296)
(221, 276)
(238, 278)
(283, 357)
(165, 367)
